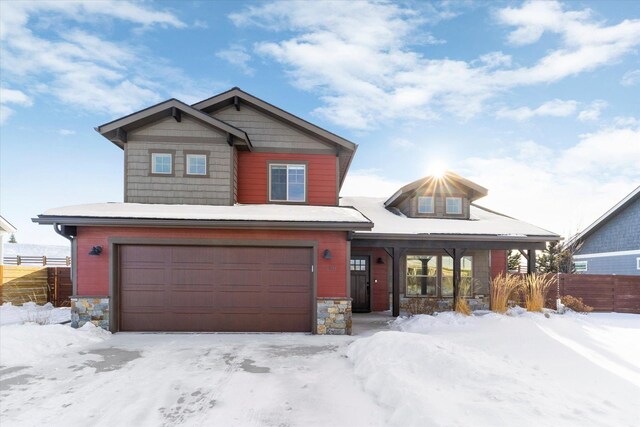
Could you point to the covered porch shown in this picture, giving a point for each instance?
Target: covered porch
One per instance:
(388, 258)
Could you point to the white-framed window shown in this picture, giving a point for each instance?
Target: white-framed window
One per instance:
(196, 164)
(453, 205)
(580, 266)
(425, 204)
(287, 183)
(638, 263)
(162, 163)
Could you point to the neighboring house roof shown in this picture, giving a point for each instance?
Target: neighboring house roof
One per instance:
(164, 109)
(484, 224)
(29, 249)
(6, 227)
(449, 180)
(244, 216)
(621, 205)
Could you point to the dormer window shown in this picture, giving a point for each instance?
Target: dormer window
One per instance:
(287, 183)
(425, 205)
(454, 205)
(161, 163)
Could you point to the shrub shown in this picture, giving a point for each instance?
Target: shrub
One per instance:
(575, 304)
(462, 306)
(502, 288)
(534, 288)
(418, 305)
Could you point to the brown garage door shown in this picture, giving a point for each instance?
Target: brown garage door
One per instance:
(215, 289)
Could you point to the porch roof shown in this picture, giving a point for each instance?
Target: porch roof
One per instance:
(483, 224)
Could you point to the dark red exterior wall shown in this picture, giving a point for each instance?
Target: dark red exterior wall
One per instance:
(253, 179)
(93, 271)
(498, 262)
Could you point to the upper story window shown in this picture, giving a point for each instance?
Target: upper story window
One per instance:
(580, 266)
(162, 163)
(425, 204)
(287, 183)
(196, 164)
(454, 205)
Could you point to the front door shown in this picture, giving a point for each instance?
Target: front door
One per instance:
(360, 287)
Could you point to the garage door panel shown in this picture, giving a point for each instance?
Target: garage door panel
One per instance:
(223, 289)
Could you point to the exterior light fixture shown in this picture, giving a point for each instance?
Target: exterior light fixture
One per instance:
(380, 261)
(326, 254)
(96, 250)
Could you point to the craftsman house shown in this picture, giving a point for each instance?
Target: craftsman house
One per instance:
(611, 245)
(232, 221)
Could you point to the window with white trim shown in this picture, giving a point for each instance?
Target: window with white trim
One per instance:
(162, 163)
(580, 266)
(453, 205)
(287, 183)
(196, 164)
(425, 204)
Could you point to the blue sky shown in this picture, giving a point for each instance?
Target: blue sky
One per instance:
(537, 101)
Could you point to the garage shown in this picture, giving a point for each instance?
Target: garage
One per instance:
(215, 288)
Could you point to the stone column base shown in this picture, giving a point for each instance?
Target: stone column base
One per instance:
(94, 309)
(334, 316)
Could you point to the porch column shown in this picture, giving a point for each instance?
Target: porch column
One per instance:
(456, 255)
(531, 261)
(395, 312)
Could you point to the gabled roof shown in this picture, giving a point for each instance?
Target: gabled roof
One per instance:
(621, 205)
(6, 227)
(483, 224)
(236, 94)
(448, 180)
(113, 130)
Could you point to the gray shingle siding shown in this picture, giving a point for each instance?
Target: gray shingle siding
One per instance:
(619, 233)
(189, 135)
(617, 264)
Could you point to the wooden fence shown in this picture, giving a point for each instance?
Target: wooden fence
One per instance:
(603, 292)
(22, 284)
(37, 260)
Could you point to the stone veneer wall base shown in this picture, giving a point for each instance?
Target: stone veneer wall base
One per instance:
(94, 309)
(334, 316)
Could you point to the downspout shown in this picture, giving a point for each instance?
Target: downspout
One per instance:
(74, 255)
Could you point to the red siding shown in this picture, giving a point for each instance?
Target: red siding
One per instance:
(498, 262)
(93, 271)
(253, 180)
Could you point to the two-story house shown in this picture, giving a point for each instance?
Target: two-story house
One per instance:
(232, 221)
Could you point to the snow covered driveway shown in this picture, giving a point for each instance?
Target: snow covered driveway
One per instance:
(445, 370)
(191, 379)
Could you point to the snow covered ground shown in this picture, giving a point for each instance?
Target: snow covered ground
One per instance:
(31, 312)
(490, 370)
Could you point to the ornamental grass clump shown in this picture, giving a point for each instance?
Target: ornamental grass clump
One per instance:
(502, 288)
(534, 288)
(462, 306)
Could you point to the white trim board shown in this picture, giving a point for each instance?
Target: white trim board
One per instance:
(607, 254)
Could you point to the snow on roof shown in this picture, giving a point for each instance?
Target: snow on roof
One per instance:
(482, 222)
(270, 212)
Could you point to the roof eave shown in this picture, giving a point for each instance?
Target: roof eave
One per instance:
(203, 223)
(458, 237)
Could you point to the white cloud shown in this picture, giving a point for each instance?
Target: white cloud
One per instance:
(553, 108)
(403, 143)
(630, 78)
(66, 132)
(368, 183)
(359, 57)
(592, 113)
(622, 121)
(237, 55)
(562, 190)
(47, 47)
(13, 97)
